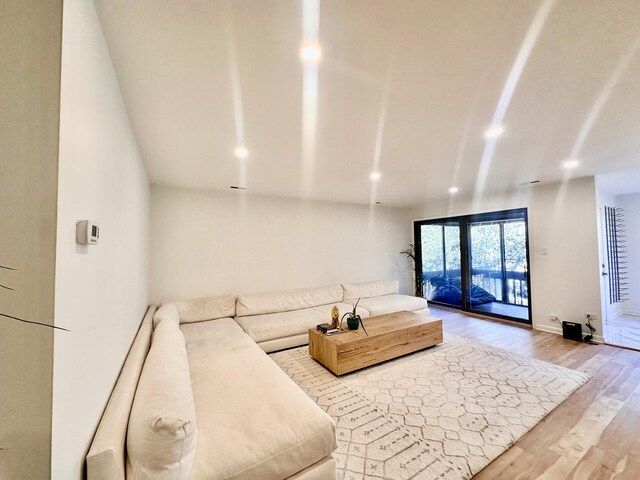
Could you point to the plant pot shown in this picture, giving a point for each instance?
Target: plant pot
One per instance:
(353, 322)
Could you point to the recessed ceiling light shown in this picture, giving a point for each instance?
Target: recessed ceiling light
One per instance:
(234, 187)
(375, 176)
(494, 131)
(453, 190)
(241, 152)
(572, 163)
(310, 53)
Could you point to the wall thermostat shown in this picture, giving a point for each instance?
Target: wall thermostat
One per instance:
(87, 232)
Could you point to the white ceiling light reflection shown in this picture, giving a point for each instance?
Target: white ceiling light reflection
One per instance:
(493, 132)
(571, 164)
(310, 53)
(453, 190)
(375, 176)
(508, 90)
(377, 150)
(602, 98)
(241, 152)
(620, 69)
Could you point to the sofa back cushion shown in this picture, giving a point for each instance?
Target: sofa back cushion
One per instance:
(106, 457)
(353, 291)
(284, 301)
(161, 437)
(168, 312)
(206, 308)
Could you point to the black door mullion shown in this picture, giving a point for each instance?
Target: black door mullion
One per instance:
(465, 262)
(417, 252)
(503, 267)
(444, 253)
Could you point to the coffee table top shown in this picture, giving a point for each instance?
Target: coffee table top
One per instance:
(390, 336)
(380, 325)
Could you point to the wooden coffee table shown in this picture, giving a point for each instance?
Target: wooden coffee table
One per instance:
(390, 336)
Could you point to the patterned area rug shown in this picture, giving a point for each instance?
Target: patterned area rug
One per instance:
(445, 412)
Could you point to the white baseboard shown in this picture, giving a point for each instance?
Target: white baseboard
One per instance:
(548, 329)
(558, 331)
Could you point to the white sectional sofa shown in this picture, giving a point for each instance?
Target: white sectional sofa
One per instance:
(278, 320)
(198, 398)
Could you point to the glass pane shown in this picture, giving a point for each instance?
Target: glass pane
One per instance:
(486, 264)
(452, 243)
(499, 268)
(432, 257)
(515, 260)
(441, 263)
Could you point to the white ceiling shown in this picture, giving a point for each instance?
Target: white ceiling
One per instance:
(435, 69)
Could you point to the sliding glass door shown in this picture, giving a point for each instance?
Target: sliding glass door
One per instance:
(441, 262)
(477, 263)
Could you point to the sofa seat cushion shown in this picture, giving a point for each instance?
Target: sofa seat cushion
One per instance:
(287, 300)
(285, 324)
(254, 422)
(284, 342)
(392, 303)
(225, 332)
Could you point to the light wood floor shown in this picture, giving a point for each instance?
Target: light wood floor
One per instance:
(594, 434)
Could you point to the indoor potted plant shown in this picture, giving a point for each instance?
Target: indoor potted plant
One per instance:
(410, 254)
(353, 319)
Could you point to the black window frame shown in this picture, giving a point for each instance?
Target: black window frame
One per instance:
(463, 222)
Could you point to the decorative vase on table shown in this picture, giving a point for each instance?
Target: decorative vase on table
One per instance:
(353, 322)
(335, 317)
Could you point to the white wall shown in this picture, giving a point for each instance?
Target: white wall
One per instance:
(101, 290)
(631, 206)
(30, 36)
(562, 220)
(207, 243)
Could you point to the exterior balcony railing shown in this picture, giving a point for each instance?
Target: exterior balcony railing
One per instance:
(508, 286)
